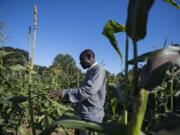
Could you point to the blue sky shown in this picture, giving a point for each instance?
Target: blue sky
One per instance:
(70, 26)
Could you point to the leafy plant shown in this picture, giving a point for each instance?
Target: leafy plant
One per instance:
(173, 3)
(109, 30)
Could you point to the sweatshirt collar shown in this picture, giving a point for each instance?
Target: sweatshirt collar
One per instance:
(93, 65)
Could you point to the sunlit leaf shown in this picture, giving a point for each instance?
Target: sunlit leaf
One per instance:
(18, 67)
(109, 30)
(34, 72)
(137, 18)
(1, 121)
(40, 119)
(69, 114)
(23, 131)
(80, 125)
(177, 93)
(113, 105)
(3, 54)
(173, 3)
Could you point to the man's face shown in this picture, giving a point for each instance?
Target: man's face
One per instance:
(84, 61)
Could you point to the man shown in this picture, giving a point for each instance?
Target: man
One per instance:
(90, 97)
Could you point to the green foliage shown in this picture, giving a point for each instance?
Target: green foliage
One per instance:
(118, 129)
(109, 30)
(4, 53)
(65, 72)
(19, 52)
(14, 90)
(18, 68)
(113, 105)
(23, 131)
(173, 3)
(136, 28)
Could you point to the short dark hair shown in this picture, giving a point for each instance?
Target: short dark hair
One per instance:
(88, 52)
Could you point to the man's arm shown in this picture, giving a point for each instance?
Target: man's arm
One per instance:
(89, 89)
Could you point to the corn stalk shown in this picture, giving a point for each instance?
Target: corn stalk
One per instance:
(136, 74)
(126, 79)
(139, 109)
(31, 65)
(136, 29)
(172, 83)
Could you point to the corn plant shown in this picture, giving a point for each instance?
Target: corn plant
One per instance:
(173, 3)
(110, 28)
(154, 74)
(31, 65)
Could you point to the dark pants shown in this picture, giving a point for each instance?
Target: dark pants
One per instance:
(83, 132)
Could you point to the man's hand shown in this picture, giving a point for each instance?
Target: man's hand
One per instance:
(55, 94)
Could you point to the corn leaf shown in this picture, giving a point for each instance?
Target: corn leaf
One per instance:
(137, 18)
(113, 105)
(118, 129)
(144, 57)
(167, 55)
(69, 114)
(154, 70)
(173, 3)
(109, 30)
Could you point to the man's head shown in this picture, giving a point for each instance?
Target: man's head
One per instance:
(87, 58)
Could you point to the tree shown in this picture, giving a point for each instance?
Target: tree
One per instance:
(18, 56)
(66, 71)
(64, 61)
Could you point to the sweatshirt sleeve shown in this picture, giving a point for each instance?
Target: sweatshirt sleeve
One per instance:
(91, 86)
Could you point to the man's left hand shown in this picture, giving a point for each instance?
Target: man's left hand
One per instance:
(55, 94)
